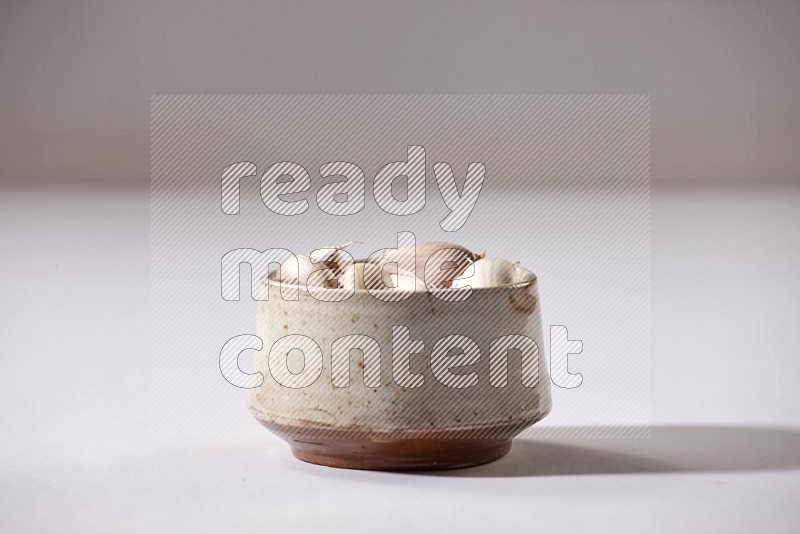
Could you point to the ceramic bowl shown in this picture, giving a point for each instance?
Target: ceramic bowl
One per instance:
(417, 383)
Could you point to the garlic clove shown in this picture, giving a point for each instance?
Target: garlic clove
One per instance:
(334, 258)
(406, 281)
(295, 268)
(445, 265)
(437, 263)
(368, 275)
(361, 275)
(300, 270)
(491, 272)
(323, 277)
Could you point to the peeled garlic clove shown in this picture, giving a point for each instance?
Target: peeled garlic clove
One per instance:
(361, 275)
(490, 272)
(334, 258)
(406, 281)
(437, 263)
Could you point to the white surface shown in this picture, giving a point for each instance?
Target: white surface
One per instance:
(75, 455)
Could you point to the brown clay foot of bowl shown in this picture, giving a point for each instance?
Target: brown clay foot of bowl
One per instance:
(397, 451)
(406, 455)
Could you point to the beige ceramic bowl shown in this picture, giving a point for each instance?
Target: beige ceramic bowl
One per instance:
(378, 421)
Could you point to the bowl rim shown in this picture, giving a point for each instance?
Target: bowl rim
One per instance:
(530, 280)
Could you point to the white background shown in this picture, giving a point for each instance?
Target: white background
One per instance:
(578, 216)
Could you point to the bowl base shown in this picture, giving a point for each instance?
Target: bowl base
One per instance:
(398, 450)
(407, 455)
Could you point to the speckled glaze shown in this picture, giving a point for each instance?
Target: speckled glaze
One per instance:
(393, 427)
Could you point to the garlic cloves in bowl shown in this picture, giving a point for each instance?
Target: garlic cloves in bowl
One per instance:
(368, 275)
(406, 281)
(436, 263)
(334, 258)
(302, 271)
(361, 275)
(295, 269)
